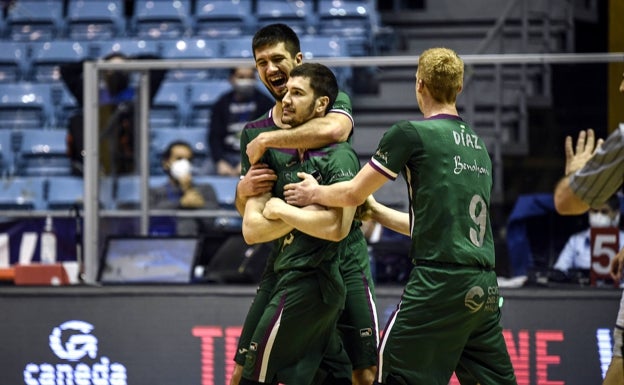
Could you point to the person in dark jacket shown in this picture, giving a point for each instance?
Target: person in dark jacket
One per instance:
(244, 103)
(116, 129)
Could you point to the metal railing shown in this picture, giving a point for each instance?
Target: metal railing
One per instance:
(92, 69)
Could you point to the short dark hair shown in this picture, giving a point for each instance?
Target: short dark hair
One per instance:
(115, 55)
(274, 34)
(167, 153)
(322, 80)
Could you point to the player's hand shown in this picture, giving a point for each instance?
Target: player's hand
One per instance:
(302, 193)
(617, 264)
(586, 147)
(272, 208)
(255, 149)
(258, 180)
(236, 374)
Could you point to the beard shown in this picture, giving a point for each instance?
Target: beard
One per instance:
(295, 119)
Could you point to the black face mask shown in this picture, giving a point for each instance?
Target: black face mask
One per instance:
(117, 82)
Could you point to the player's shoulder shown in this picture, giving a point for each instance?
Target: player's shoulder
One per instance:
(263, 122)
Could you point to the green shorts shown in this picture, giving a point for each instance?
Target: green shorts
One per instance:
(358, 323)
(448, 318)
(295, 329)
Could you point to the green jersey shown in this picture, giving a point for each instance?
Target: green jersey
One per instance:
(264, 123)
(449, 175)
(331, 164)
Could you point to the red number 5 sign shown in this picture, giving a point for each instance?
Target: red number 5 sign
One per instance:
(604, 246)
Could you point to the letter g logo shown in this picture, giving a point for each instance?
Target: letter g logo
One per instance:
(76, 346)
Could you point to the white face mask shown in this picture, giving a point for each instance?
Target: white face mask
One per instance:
(181, 168)
(244, 87)
(603, 220)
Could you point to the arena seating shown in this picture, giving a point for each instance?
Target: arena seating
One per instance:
(37, 36)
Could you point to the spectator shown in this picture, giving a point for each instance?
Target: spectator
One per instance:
(116, 116)
(179, 192)
(576, 254)
(230, 114)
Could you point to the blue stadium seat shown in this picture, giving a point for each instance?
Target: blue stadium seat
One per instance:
(32, 20)
(126, 192)
(203, 96)
(223, 18)
(42, 152)
(65, 192)
(198, 48)
(170, 105)
(350, 19)
(64, 105)
(196, 137)
(48, 56)
(106, 192)
(22, 193)
(238, 47)
(95, 20)
(126, 46)
(157, 180)
(162, 19)
(25, 105)
(7, 156)
(322, 46)
(224, 186)
(299, 15)
(344, 17)
(314, 47)
(14, 62)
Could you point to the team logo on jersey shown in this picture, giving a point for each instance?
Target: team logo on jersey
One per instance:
(367, 332)
(253, 346)
(474, 299)
(288, 240)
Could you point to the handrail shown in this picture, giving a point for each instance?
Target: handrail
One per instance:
(378, 61)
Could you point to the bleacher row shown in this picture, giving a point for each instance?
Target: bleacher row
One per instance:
(40, 35)
(105, 19)
(115, 193)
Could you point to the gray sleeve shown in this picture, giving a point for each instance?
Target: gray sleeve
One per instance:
(602, 176)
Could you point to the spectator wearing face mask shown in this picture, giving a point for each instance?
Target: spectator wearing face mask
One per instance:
(179, 192)
(230, 113)
(116, 98)
(576, 254)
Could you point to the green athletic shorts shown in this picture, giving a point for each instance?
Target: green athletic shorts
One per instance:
(448, 318)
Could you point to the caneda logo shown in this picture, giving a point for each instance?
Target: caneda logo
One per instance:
(73, 343)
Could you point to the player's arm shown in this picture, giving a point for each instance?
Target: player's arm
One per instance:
(257, 228)
(390, 218)
(566, 201)
(318, 132)
(257, 181)
(332, 223)
(617, 264)
(342, 194)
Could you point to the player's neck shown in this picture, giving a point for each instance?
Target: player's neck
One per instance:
(440, 109)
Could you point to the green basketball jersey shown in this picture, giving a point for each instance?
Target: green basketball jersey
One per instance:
(331, 164)
(265, 123)
(449, 176)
